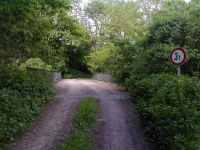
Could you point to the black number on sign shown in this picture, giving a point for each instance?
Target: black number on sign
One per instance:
(177, 56)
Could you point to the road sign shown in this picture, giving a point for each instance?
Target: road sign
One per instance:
(178, 56)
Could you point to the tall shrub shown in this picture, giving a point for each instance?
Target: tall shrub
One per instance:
(22, 97)
(172, 116)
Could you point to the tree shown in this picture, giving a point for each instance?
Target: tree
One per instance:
(40, 29)
(114, 18)
(25, 26)
(149, 7)
(98, 59)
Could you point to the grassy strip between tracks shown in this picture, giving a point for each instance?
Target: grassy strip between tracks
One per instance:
(83, 123)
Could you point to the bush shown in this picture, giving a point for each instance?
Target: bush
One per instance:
(36, 63)
(172, 116)
(22, 96)
(147, 87)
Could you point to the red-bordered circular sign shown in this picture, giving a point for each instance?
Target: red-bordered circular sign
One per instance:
(178, 56)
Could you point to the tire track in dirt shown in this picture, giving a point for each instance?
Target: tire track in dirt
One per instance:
(117, 126)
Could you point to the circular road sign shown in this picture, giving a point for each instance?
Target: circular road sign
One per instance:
(178, 56)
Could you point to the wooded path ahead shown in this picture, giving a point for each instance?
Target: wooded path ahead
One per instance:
(117, 124)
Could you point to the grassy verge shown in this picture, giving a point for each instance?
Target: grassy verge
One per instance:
(84, 121)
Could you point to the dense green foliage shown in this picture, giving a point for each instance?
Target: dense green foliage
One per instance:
(169, 107)
(98, 59)
(36, 63)
(22, 96)
(147, 87)
(172, 116)
(83, 123)
(42, 29)
(129, 39)
(39, 34)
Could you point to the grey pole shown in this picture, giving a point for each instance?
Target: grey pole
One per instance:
(178, 71)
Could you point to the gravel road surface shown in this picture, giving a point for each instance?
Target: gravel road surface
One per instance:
(117, 124)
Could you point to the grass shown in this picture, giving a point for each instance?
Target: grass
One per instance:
(83, 123)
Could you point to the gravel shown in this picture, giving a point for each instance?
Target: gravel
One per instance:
(117, 126)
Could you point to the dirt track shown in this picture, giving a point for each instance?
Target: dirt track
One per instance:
(117, 124)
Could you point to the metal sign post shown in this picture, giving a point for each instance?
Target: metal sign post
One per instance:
(178, 71)
(178, 57)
